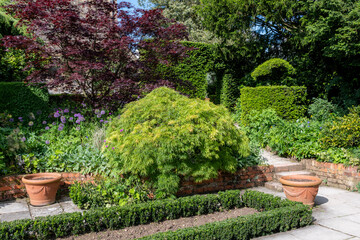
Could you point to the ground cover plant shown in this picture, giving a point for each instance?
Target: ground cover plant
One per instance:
(276, 215)
(326, 135)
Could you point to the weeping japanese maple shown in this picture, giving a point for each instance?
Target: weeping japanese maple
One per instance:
(92, 47)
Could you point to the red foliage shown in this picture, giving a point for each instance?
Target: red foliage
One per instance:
(93, 47)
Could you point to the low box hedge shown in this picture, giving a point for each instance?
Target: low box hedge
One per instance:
(290, 215)
(277, 216)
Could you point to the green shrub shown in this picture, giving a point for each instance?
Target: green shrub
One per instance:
(288, 102)
(109, 191)
(230, 91)
(344, 132)
(346, 156)
(194, 69)
(275, 71)
(19, 99)
(322, 110)
(278, 215)
(165, 135)
(12, 64)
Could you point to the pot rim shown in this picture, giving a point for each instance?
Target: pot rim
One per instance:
(28, 179)
(315, 181)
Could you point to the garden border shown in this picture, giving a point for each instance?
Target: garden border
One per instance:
(12, 187)
(279, 215)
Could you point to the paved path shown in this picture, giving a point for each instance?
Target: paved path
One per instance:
(21, 209)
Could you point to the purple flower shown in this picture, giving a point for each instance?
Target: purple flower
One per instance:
(83, 104)
(11, 119)
(78, 121)
(308, 122)
(60, 128)
(109, 119)
(23, 139)
(113, 148)
(47, 128)
(104, 140)
(66, 110)
(96, 111)
(98, 116)
(102, 112)
(20, 118)
(56, 114)
(71, 118)
(106, 122)
(44, 122)
(121, 130)
(47, 142)
(101, 120)
(86, 136)
(106, 146)
(320, 127)
(109, 113)
(54, 123)
(63, 119)
(31, 123)
(77, 115)
(38, 112)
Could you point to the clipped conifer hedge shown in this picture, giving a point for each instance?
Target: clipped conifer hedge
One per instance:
(288, 102)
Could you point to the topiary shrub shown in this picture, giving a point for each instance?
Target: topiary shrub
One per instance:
(229, 91)
(288, 102)
(166, 135)
(275, 71)
(344, 132)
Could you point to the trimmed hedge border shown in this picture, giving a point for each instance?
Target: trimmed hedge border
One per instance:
(286, 215)
(277, 216)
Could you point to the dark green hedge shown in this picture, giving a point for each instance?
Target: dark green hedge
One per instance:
(282, 215)
(293, 215)
(203, 59)
(19, 99)
(288, 102)
(230, 91)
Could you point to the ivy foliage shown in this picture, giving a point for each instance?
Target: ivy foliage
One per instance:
(275, 71)
(166, 135)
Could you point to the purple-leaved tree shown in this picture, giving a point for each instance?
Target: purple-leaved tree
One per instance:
(92, 47)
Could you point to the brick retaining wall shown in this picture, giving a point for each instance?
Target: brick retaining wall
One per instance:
(244, 178)
(335, 175)
(12, 187)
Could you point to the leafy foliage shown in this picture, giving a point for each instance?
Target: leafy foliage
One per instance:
(92, 47)
(108, 192)
(322, 110)
(275, 71)
(230, 91)
(288, 102)
(344, 132)
(166, 135)
(19, 98)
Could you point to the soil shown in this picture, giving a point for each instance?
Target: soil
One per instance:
(169, 225)
(300, 180)
(42, 178)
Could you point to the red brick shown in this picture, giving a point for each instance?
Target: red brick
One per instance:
(6, 188)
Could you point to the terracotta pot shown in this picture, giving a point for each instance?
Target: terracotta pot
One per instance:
(301, 188)
(42, 187)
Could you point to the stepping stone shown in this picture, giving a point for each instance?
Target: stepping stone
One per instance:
(7, 217)
(288, 167)
(19, 205)
(49, 210)
(276, 186)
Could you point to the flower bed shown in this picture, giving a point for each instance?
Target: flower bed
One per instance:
(277, 215)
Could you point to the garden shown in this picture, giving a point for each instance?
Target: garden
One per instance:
(142, 101)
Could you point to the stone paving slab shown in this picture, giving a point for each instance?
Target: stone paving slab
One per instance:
(18, 205)
(343, 225)
(8, 217)
(50, 210)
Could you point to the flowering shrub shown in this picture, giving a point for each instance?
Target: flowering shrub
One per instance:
(166, 135)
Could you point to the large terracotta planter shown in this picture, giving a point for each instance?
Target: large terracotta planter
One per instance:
(42, 187)
(301, 188)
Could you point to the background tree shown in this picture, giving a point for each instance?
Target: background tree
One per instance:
(320, 38)
(93, 47)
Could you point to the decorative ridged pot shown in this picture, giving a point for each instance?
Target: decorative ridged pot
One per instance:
(301, 188)
(42, 187)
